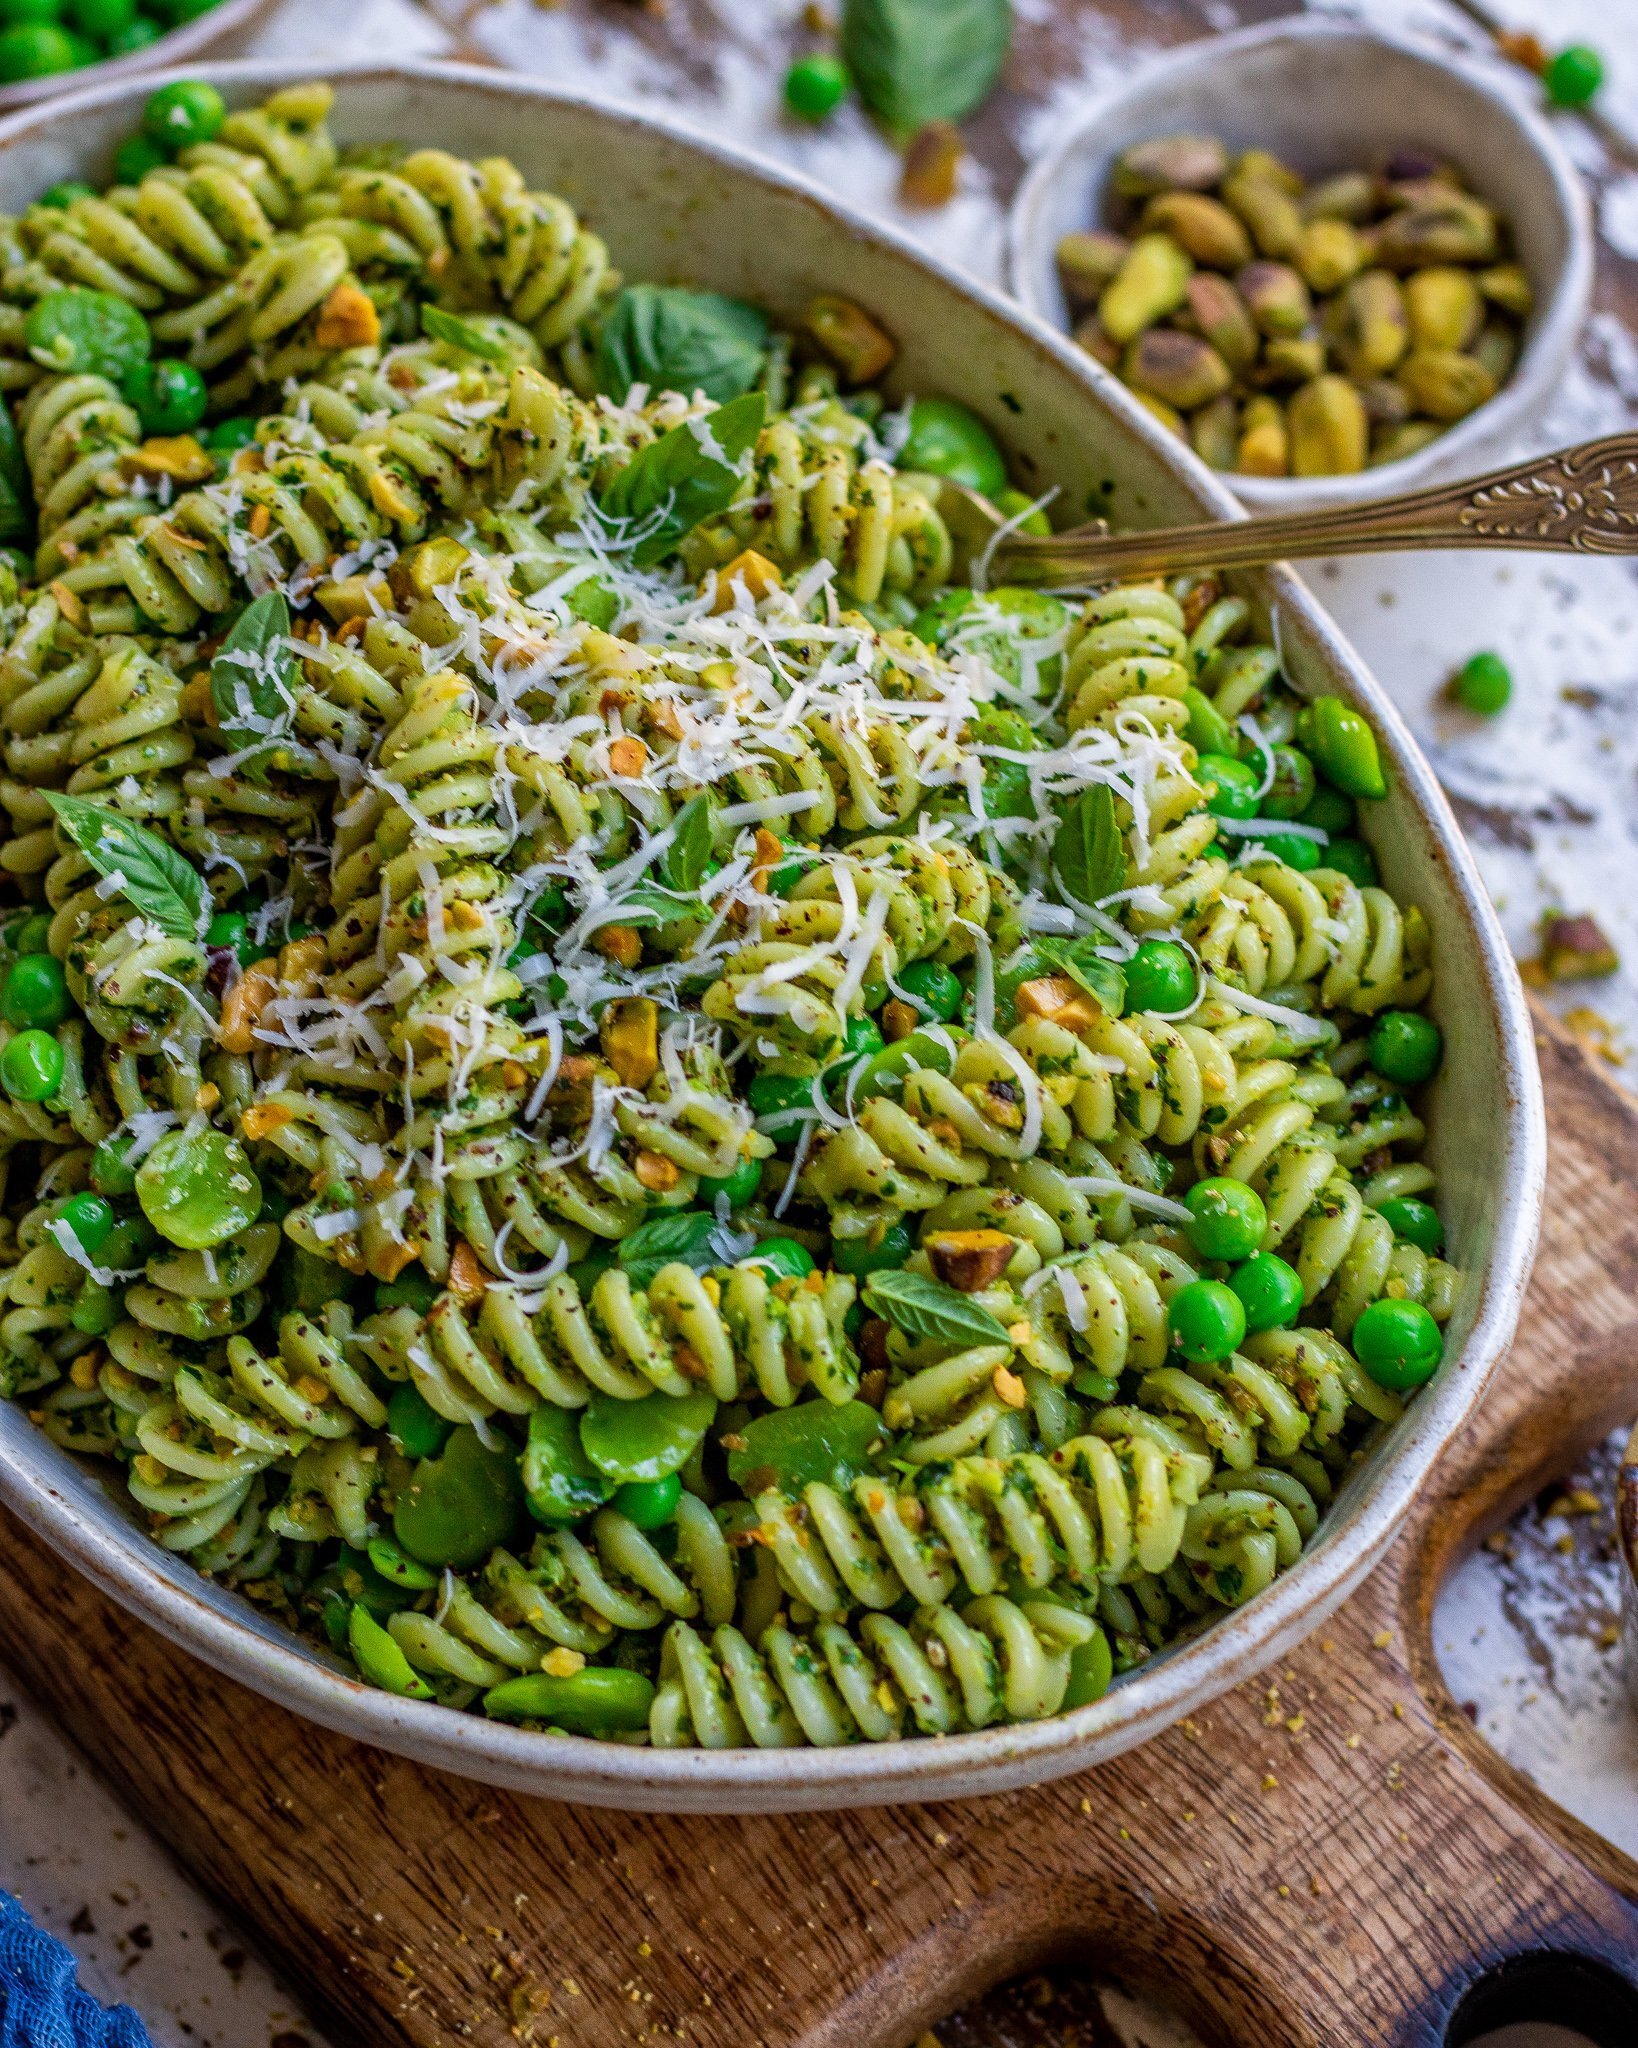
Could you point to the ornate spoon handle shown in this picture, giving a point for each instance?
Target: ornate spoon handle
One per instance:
(1581, 500)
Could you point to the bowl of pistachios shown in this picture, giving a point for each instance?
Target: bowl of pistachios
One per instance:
(1339, 263)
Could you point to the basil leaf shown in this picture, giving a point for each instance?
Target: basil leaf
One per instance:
(685, 858)
(917, 61)
(927, 1308)
(794, 1447)
(646, 904)
(684, 477)
(690, 1237)
(1088, 850)
(1103, 980)
(675, 340)
(459, 333)
(254, 673)
(153, 877)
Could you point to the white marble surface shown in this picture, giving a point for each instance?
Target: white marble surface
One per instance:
(1549, 796)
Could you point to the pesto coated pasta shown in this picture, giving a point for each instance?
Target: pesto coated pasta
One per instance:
(622, 1102)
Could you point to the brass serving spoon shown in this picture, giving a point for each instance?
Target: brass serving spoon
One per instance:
(1581, 500)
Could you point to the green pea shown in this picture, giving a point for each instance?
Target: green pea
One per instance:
(1343, 747)
(84, 51)
(862, 1037)
(29, 13)
(932, 988)
(96, 1308)
(90, 1219)
(777, 1098)
(560, 1483)
(136, 35)
(1293, 787)
(31, 1067)
(135, 157)
(414, 1425)
(101, 18)
(31, 934)
(1398, 1343)
(884, 1074)
(1405, 1047)
(309, 1283)
(1091, 1667)
(873, 995)
(198, 1188)
(34, 50)
(649, 1503)
(1160, 976)
(948, 440)
(1011, 615)
(181, 115)
(460, 1504)
(410, 1290)
(739, 1186)
(1231, 784)
(1416, 1222)
(1483, 684)
(1573, 76)
(36, 992)
(781, 1257)
(228, 930)
(129, 1244)
(1294, 848)
(226, 437)
(1010, 503)
(65, 192)
(1227, 1219)
(595, 600)
(816, 85)
(813, 1441)
(858, 1256)
(1207, 1321)
(86, 333)
(600, 1700)
(644, 1439)
(1330, 810)
(1269, 1291)
(392, 1564)
(380, 1659)
(1208, 731)
(169, 396)
(1353, 858)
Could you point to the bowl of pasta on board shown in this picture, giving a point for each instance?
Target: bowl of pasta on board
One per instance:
(665, 1155)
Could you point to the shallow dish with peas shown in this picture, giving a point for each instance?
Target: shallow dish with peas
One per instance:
(628, 1110)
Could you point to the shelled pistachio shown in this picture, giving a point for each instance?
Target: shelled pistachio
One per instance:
(1294, 327)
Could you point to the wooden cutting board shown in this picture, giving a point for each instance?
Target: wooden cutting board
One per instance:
(1329, 1856)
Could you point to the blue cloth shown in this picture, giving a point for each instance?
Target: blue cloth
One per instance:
(41, 2003)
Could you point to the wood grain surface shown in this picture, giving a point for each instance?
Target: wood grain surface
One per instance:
(1329, 1856)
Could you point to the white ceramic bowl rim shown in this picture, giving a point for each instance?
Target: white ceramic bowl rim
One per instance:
(1555, 325)
(168, 1594)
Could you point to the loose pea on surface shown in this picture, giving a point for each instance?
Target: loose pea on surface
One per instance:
(1207, 1321)
(31, 1066)
(1573, 76)
(1269, 1290)
(1483, 684)
(816, 85)
(1398, 1343)
(1160, 976)
(198, 1188)
(1416, 1222)
(1226, 1218)
(1405, 1047)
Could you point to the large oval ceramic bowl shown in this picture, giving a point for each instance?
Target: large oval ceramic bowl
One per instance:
(676, 205)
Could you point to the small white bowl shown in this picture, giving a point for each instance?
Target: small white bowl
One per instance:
(200, 37)
(1327, 96)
